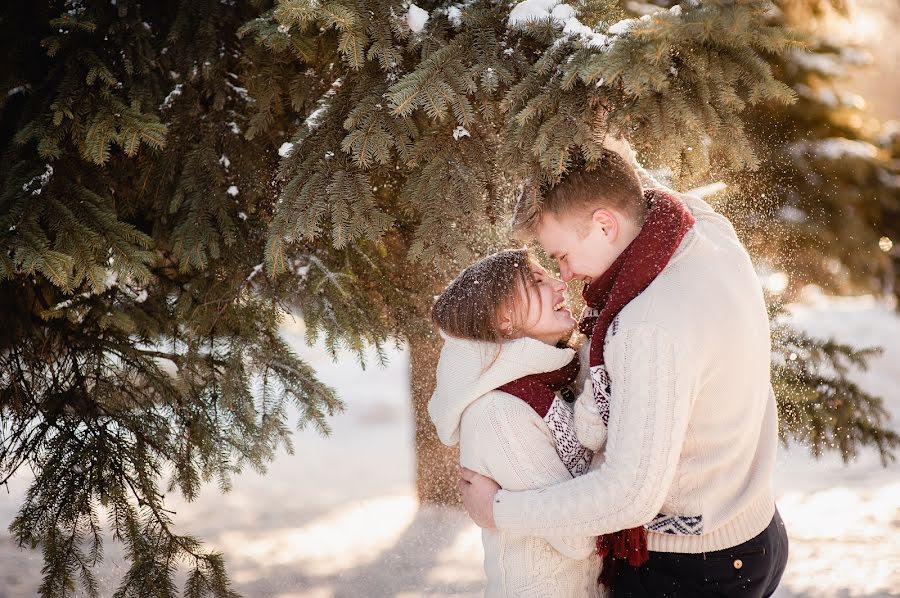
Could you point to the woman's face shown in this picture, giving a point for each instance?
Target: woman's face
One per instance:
(546, 316)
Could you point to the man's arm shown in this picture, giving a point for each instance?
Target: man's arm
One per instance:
(649, 413)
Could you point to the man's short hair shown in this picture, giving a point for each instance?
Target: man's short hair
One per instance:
(610, 182)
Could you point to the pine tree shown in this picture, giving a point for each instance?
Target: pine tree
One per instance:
(830, 182)
(140, 334)
(434, 128)
(829, 187)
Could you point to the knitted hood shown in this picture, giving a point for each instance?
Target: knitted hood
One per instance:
(467, 370)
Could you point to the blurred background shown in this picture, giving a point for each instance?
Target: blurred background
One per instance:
(875, 25)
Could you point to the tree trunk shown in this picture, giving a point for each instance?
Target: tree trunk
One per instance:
(436, 464)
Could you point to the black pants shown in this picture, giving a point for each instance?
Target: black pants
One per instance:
(750, 570)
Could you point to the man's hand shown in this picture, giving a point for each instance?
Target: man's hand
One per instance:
(478, 497)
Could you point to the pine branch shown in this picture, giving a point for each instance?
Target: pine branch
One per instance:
(819, 404)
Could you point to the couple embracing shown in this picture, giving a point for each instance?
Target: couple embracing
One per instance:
(634, 459)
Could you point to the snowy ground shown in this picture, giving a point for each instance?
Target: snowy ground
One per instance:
(338, 518)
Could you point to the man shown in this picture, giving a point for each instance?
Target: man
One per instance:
(679, 393)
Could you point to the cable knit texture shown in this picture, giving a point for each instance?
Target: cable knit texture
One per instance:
(502, 437)
(690, 447)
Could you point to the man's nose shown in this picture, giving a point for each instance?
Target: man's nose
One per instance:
(565, 274)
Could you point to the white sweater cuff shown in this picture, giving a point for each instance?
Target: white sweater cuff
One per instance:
(507, 516)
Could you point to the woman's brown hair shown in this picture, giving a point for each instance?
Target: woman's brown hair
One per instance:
(469, 307)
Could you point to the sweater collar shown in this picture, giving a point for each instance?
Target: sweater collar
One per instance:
(467, 370)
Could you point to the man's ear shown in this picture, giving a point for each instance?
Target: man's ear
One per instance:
(608, 222)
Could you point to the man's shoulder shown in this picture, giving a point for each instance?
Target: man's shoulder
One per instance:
(677, 302)
(640, 318)
(704, 213)
(667, 300)
(709, 284)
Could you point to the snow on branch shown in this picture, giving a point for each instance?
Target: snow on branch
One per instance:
(834, 148)
(533, 11)
(416, 18)
(831, 64)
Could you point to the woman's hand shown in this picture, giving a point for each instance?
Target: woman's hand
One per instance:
(621, 146)
(478, 497)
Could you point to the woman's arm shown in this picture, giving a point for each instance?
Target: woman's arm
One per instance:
(696, 204)
(519, 453)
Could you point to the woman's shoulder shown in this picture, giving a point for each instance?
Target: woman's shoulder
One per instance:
(501, 435)
(500, 407)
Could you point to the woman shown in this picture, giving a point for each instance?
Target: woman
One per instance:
(504, 393)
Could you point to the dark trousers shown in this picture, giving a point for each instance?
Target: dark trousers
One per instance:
(750, 570)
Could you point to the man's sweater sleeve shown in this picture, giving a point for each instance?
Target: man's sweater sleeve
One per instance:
(649, 412)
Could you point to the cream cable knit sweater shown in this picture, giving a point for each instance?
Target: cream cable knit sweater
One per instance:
(502, 437)
(690, 447)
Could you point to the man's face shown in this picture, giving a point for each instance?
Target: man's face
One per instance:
(582, 246)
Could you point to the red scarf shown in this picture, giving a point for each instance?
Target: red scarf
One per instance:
(539, 390)
(666, 224)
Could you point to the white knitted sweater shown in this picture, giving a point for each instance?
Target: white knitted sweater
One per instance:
(690, 447)
(502, 437)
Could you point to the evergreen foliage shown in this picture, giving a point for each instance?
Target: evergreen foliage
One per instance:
(829, 184)
(823, 207)
(818, 403)
(475, 104)
(832, 183)
(493, 104)
(139, 349)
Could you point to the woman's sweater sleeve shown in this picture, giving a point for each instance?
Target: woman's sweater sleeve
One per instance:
(649, 411)
(519, 454)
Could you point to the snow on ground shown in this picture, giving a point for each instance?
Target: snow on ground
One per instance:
(338, 518)
(844, 521)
